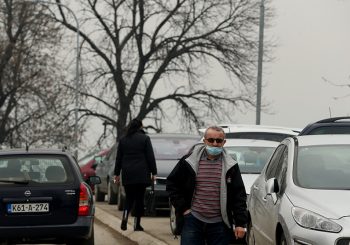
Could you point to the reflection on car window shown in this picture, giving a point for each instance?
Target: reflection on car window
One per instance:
(250, 159)
(272, 168)
(172, 147)
(36, 169)
(323, 167)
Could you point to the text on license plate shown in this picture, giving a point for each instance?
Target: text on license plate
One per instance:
(28, 207)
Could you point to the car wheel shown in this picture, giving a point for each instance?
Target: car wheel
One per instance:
(172, 219)
(121, 199)
(111, 196)
(99, 196)
(89, 241)
(283, 240)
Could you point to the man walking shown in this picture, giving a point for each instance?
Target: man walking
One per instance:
(208, 193)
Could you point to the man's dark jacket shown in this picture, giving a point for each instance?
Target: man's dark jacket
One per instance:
(135, 159)
(181, 186)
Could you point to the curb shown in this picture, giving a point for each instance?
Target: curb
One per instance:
(141, 238)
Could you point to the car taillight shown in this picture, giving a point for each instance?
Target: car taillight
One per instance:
(84, 206)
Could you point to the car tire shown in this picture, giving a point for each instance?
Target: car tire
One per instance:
(112, 197)
(282, 240)
(89, 241)
(121, 199)
(172, 220)
(99, 196)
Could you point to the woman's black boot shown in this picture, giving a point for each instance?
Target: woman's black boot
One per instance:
(124, 223)
(137, 225)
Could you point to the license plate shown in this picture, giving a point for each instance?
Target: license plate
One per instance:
(28, 207)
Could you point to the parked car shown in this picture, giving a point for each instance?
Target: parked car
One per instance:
(251, 155)
(333, 125)
(302, 194)
(168, 149)
(44, 198)
(262, 132)
(89, 163)
(105, 170)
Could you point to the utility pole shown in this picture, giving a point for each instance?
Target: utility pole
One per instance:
(260, 62)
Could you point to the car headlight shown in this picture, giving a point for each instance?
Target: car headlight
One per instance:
(311, 220)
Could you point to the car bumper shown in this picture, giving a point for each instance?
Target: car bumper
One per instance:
(82, 228)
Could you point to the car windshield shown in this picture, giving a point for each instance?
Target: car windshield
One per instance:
(34, 169)
(250, 159)
(172, 147)
(323, 167)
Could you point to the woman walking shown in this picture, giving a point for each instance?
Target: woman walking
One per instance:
(135, 161)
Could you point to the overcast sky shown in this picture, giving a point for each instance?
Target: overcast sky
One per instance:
(313, 38)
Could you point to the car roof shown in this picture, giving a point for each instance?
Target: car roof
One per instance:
(174, 135)
(235, 128)
(31, 151)
(251, 142)
(326, 139)
(327, 122)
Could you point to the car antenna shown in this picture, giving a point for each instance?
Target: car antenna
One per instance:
(330, 111)
(27, 147)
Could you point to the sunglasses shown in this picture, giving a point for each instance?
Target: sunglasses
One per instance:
(212, 140)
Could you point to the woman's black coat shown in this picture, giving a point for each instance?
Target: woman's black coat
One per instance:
(135, 159)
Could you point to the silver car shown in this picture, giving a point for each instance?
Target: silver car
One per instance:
(302, 195)
(251, 155)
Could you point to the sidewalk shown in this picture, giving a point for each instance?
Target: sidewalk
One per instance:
(157, 229)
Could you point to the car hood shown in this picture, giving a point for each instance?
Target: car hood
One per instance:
(248, 180)
(165, 166)
(332, 204)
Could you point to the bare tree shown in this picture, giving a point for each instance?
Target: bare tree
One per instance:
(143, 57)
(33, 99)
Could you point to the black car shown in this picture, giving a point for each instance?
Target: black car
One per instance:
(44, 198)
(333, 125)
(168, 149)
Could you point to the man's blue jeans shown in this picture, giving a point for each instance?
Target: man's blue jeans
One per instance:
(196, 232)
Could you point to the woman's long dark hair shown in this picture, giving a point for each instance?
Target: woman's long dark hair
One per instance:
(134, 126)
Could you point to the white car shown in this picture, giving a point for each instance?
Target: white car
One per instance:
(251, 131)
(302, 195)
(251, 155)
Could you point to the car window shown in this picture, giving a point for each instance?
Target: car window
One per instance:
(36, 169)
(274, 162)
(251, 159)
(85, 159)
(281, 170)
(323, 167)
(171, 147)
(334, 129)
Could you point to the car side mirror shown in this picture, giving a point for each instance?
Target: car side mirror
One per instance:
(95, 180)
(272, 188)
